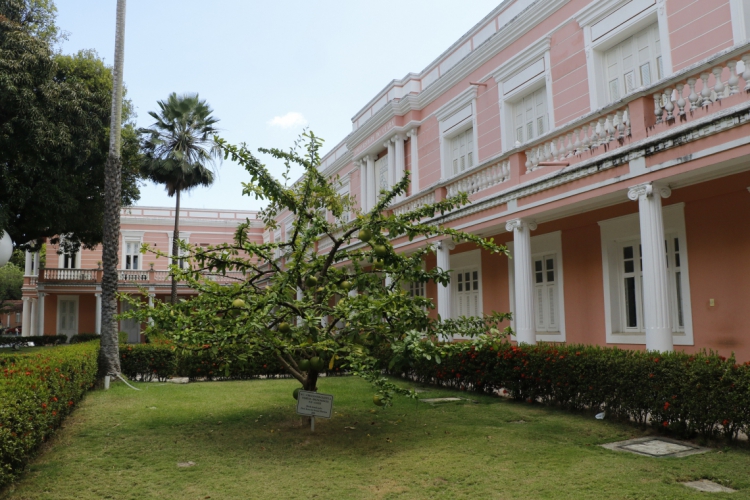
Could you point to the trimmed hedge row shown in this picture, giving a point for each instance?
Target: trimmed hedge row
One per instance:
(38, 340)
(37, 391)
(689, 394)
(160, 360)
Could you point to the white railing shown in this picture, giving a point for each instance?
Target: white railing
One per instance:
(614, 126)
(132, 275)
(489, 176)
(427, 199)
(69, 274)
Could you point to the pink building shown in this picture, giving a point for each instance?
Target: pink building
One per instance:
(65, 297)
(605, 141)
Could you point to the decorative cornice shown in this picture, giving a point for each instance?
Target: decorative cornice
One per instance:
(647, 189)
(456, 104)
(521, 60)
(596, 11)
(520, 224)
(447, 243)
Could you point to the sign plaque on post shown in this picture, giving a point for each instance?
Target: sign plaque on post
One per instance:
(314, 404)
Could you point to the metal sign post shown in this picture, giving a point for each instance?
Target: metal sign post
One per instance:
(313, 404)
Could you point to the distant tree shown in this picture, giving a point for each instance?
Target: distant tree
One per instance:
(54, 123)
(11, 281)
(179, 148)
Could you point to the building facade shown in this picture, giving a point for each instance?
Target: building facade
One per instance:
(65, 296)
(605, 142)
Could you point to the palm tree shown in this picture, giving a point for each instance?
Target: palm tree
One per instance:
(109, 355)
(179, 146)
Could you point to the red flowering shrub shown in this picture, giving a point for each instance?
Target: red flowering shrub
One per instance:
(34, 399)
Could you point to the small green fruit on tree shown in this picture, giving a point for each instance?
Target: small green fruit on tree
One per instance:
(286, 283)
(296, 392)
(378, 400)
(238, 303)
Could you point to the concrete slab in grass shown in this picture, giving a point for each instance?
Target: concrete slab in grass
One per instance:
(708, 486)
(659, 447)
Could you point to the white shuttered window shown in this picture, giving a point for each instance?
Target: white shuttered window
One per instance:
(545, 294)
(466, 292)
(462, 151)
(530, 116)
(633, 63)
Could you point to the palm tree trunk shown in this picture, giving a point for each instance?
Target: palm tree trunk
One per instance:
(176, 237)
(109, 355)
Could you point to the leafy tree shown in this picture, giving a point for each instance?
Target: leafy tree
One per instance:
(179, 146)
(331, 292)
(54, 124)
(11, 281)
(36, 17)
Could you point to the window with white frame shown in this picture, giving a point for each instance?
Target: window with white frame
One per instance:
(132, 258)
(466, 284)
(69, 260)
(530, 116)
(623, 277)
(547, 277)
(629, 47)
(462, 151)
(635, 62)
(381, 174)
(631, 281)
(545, 293)
(415, 289)
(343, 191)
(67, 315)
(288, 229)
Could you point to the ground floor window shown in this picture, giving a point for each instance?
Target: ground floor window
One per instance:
(67, 315)
(545, 293)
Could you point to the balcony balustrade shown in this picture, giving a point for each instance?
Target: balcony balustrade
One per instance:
(129, 276)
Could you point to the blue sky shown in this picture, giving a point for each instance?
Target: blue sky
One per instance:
(267, 68)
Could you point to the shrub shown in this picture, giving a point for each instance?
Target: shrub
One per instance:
(148, 361)
(702, 393)
(37, 391)
(83, 337)
(38, 340)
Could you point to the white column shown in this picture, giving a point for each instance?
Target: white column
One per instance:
(98, 314)
(35, 271)
(372, 182)
(657, 317)
(414, 161)
(391, 163)
(444, 295)
(27, 264)
(524, 280)
(363, 184)
(40, 307)
(400, 160)
(26, 317)
(151, 306)
(32, 330)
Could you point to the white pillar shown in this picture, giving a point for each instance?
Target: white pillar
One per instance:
(98, 314)
(363, 184)
(40, 307)
(414, 161)
(35, 270)
(524, 280)
(27, 264)
(391, 163)
(400, 159)
(444, 296)
(151, 306)
(657, 317)
(32, 330)
(372, 181)
(26, 317)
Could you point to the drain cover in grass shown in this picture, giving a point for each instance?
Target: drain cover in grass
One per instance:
(708, 486)
(656, 447)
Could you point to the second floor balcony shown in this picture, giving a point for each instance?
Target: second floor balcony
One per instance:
(150, 277)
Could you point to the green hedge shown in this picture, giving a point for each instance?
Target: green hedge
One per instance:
(84, 337)
(38, 340)
(690, 394)
(162, 360)
(37, 391)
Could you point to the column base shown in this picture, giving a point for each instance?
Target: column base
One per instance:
(659, 339)
(526, 336)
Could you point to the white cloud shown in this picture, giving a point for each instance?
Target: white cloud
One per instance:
(289, 120)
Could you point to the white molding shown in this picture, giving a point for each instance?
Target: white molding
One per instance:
(597, 10)
(739, 30)
(522, 60)
(456, 104)
(625, 228)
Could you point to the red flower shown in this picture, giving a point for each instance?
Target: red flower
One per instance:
(725, 422)
(665, 423)
(666, 406)
(44, 405)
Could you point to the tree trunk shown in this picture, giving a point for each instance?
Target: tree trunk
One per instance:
(311, 382)
(176, 237)
(109, 355)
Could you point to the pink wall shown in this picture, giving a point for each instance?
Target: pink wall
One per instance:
(570, 83)
(488, 121)
(697, 29)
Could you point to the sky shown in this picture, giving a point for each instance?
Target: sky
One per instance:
(268, 69)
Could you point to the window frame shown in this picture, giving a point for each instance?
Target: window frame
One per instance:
(455, 118)
(638, 15)
(461, 262)
(76, 300)
(615, 233)
(542, 245)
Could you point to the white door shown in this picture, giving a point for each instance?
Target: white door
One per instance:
(130, 326)
(67, 317)
(545, 294)
(466, 292)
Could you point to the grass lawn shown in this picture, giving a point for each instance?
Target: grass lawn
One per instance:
(247, 442)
